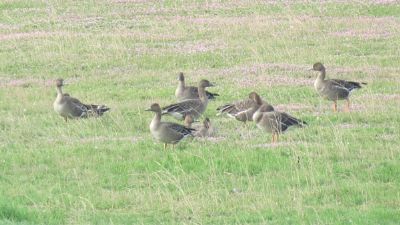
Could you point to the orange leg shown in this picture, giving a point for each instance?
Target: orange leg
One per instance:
(277, 137)
(334, 106)
(348, 105)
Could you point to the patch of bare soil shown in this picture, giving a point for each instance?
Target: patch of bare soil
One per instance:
(293, 107)
(108, 139)
(258, 74)
(30, 35)
(132, 1)
(180, 47)
(28, 82)
(383, 97)
(275, 145)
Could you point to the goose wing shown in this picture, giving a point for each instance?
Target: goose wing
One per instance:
(80, 109)
(185, 131)
(349, 85)
(287, 120)
(247, 114)
(211, 95)
(181, 109)
(193, 93)
(97, 110)
(236, 107)
(75, 107)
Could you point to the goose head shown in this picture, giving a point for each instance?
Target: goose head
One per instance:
(59, 82)
(318, 67)
(207, 123)
(181, 77)
(205, 83)
(255, 97)
(155, 107)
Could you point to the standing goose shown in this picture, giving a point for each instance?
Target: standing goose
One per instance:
(242, 110)
(69, 107)
(273, 121)
(190, 109)
(334, 89)
(167, 132)
(206, 130)
(183, 92)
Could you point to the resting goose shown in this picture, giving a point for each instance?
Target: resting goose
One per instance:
(206, 129)
(183, 92)
(190, 109)
(273, 121)
(334, 89)
(242, 110)
(69, 107)
(167, 132)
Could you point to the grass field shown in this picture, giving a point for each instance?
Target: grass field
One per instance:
(344, 168)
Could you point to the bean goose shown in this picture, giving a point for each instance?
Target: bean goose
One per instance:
(206, 129)
(334, 89)
(242, 110)
(190, 109)
(167, 132)
(273, 121)
(69, 107)
(184, 92)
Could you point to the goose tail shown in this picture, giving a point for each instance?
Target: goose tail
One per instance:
(224, 109)
(97, 110)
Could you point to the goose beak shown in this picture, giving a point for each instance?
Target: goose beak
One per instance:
(212, 85)
(147, 110)
(311, 69)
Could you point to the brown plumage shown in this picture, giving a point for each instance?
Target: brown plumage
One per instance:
(69, 107)
(274, 122)
(334, 89)
(206, 130)
(190, 109)
(167, 132)
(242, 110)
(184, 92)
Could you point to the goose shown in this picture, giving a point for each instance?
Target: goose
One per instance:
(190, 109)
(183, 92)
(69, 107)
(334, 89)
(242, 110)
(274, 122)
(167, 132)
(206, 130)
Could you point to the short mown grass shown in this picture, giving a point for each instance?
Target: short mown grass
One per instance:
(343, 168)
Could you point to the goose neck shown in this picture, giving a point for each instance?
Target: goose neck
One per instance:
(59, 93)
(321, 75)
(202, 94)
(156, 119)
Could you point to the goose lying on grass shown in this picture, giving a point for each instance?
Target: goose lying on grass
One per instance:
(242, 110)
(206, 130)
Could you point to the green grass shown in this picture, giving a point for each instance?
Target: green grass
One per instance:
(344, 168)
